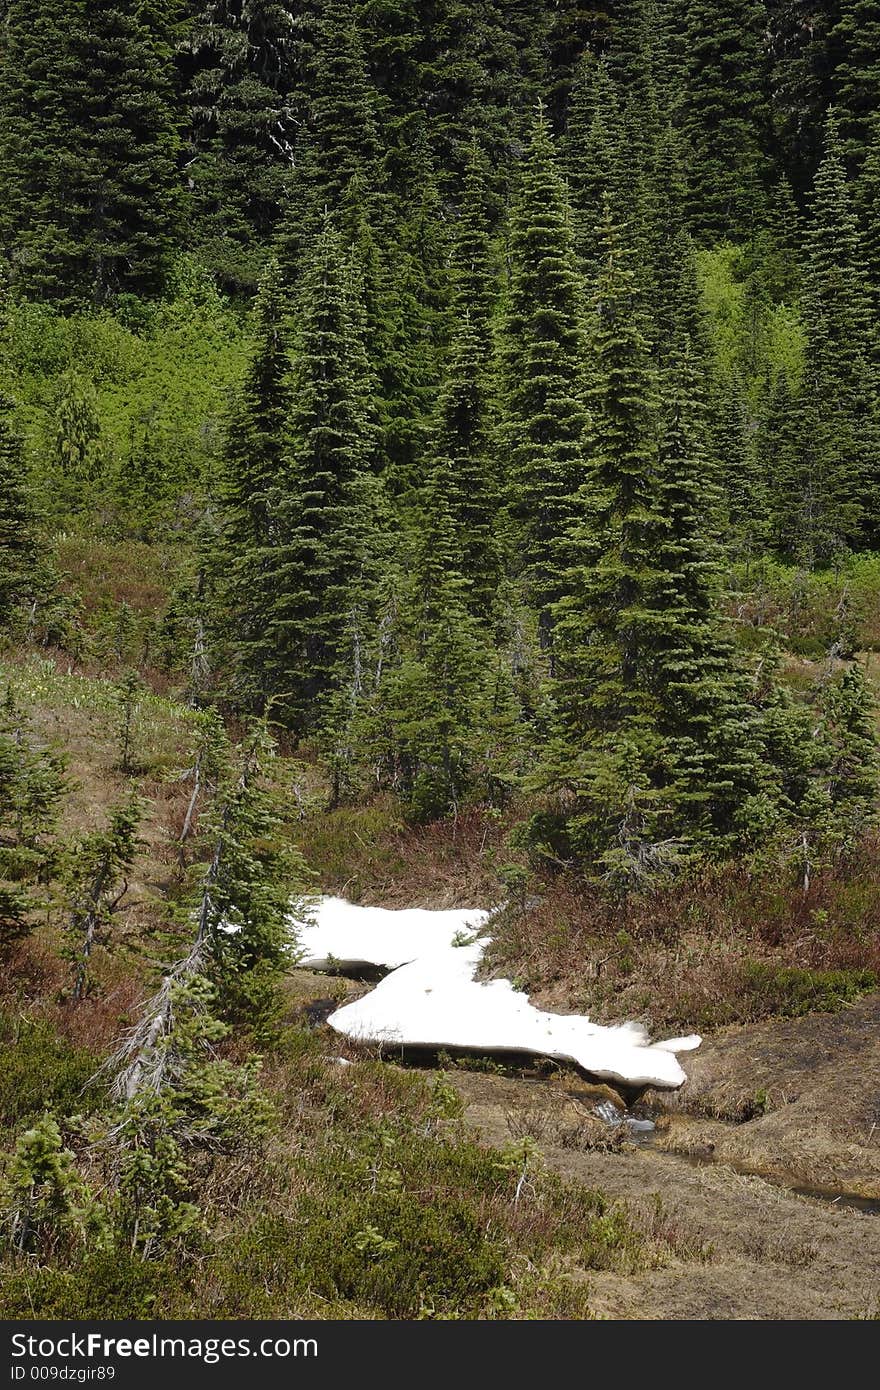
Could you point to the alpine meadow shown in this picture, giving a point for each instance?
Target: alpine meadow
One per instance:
(439, 659)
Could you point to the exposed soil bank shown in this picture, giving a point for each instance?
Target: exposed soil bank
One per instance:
(794, 1098)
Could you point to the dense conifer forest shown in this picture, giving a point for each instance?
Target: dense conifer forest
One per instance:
(439, 461)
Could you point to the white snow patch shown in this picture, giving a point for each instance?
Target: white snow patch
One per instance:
(431, 998)
(349, 936)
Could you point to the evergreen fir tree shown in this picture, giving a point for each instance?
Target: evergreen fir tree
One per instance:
(855, 43)
(599, 760)
(341, 104)
(544, 411)
(666, 247)
(96, 883)
(780, 246)
(464, 469)
(839, 420)
(592, 150)
(475, 269)
(241, 101)
(778, 458)
(854, 783)
(297, 583)
(801, 71)
(867, 199)
(244, 899)
(77, 440)
(419, 261)
(714, 746)
(88, 151)
(427, 725)
(650, 750)
(743, 477)
(253, 466)
(724, 117)
(31, 787)
(463, 465)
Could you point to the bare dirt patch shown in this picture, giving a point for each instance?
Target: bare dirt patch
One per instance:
(748, 1247)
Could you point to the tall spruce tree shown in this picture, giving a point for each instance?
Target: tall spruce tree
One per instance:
(867, 198)
(542, 366)
(254, 459)
(855, 45)
(724, 116)
(341, 104)
(741, 470)
(241, 98)
(592, 159)
(600, 760)
(431, 697)
(650, 751)
(840, 406)
(31, 787)
(299, 581)
(464, 468)
(88, 151)
(714, 746)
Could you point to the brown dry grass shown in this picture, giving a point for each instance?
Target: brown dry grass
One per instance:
(368, 853)
(126, 571)
(714, 950)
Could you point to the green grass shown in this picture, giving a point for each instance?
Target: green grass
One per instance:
(791, 992)
(40, 1071)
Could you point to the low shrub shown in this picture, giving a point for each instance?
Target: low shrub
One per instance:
(41, 1071)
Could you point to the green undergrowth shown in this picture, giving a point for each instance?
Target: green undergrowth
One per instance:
(371, 1202)
(40, 1070)
(791, 992)
(813, 611)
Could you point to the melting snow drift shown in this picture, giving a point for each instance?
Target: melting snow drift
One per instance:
(431, 998)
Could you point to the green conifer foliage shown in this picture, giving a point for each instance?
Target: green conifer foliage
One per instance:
(723, 116)
(742, 471)
(88, 151)
(602, 757)
(97, 881)
(341, 104)
(714, 748)
(542, 367)
(77, 440)
(253, 465)
(244, 898)
(46, 1203)
(426, 730)
(475, 269)
(778, 459)
(593, 160)
(838, 466)
(241, 101)
(298, 582)
(465, 470)
(31, 787)
(418, 260)
(855, 43)
(18, 542)
(802, 66)
(854, 784)
(666, 245)
(867, 198)
(652, 750)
